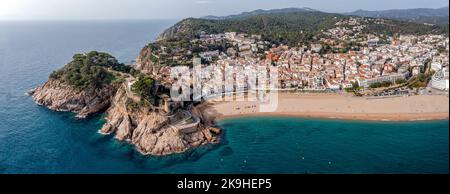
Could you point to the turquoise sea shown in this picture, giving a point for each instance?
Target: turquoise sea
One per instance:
(36, 140)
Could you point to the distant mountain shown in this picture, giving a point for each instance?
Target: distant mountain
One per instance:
(260, 12)
(420, 15)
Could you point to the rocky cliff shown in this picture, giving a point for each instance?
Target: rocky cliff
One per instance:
(94, 82)
(151, 132)
(144, 62)
(59, 96)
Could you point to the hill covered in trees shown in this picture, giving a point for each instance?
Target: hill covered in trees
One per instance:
(260, 12)
(90, 69)
(290, 28)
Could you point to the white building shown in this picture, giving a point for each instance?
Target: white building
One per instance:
(391, 78)
(440, 80)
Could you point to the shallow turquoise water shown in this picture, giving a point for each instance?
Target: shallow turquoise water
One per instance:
(328, 146)
(36, 140)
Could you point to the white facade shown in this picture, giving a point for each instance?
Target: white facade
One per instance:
(440, 80)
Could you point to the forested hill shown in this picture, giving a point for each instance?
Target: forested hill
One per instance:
(260, 11)
(420, 15)
(288, 28)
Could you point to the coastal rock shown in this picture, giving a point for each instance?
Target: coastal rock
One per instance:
(144, 61)
(215, 130)
(151, 132)
(62, 97)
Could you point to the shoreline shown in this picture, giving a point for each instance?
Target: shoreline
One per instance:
(337, 107)
(349, 117)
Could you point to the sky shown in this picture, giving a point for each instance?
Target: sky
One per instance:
(177, 9)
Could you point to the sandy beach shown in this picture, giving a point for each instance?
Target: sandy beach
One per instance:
(336, 106)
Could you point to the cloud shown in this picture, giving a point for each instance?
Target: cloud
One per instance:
(202, 2)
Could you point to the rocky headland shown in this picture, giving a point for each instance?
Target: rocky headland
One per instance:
(153, 132)
(59, 96)
(152, 128)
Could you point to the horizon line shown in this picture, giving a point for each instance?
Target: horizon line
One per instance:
(181, 18)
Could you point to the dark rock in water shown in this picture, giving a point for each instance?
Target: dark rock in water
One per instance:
(313, 130)
(227, 151)
(401, 164)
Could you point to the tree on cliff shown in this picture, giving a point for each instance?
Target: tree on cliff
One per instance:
(90, 70)
(145, 87)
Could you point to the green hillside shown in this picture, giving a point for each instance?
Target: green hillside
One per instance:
(286, 28)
